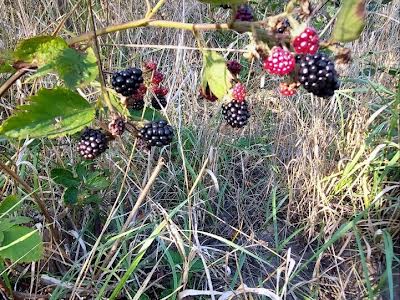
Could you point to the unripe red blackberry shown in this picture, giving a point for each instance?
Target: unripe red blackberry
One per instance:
(207, 94)
(279, 62)
(159, 101)
(116, 126)
(234, 67)
(307, 42)
(93, 142)
(150, 65)
(157, 133)
(126, 82)
(160, 90)
(157, 77)
(236, 113)
(244, 13)
(317, 74)
(239, 92)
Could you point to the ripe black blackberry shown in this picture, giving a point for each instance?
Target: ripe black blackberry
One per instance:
(159, 101)
(116, 126)
(317, 74)
(126, 82)
(137, 104)
(244, 13)
(93, 142)
(157, 133)
(236, 113)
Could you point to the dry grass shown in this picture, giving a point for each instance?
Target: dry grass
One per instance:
(263, 207)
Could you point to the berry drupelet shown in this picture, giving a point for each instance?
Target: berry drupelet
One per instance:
(236, 113)
(317, 74)
(157, 133)
(93, 142)
(126, 82)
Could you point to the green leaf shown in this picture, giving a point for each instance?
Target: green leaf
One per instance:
(98, 183)
(5, 224)
(9, 205)
(6, 61)
(20, 220)
(75, 68)
(51, 113)
(21, 244)
(350, 21)
(215, 74)
(39, 50)
(64, 177)
(70, 196)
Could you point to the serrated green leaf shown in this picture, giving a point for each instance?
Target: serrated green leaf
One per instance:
(75, 68)
(215, 74)
(9, 205)
(39, 50)
(64, 177)
(20, 220)
(21, 244)
(350, 21)
(219, 2)
(51, 113)
(5, 224)
(70, 196)
(91, 199)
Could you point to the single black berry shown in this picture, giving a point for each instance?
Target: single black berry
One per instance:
(126, 82)
(137, 104)
(317, 74)
(244, 13)
(236, 113)
(93, 142)
(157, 133)
(117, 126)
(225, 6)
(159, 101)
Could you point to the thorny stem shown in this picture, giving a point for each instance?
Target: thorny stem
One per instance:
(99, 64)
(259, 28)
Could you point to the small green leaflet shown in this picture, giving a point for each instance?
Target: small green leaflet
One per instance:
(215, 74)
(21, 244)
(219, 2)
(64, 177)
(75, 68)
(51, 113)
(39, 50)
(350, 21)
(9, 205)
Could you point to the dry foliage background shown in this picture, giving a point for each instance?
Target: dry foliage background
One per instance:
(268, 210)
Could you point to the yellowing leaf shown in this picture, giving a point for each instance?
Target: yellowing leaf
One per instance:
(50, 113)
(215, 74)
(39, 50)
(350, 21)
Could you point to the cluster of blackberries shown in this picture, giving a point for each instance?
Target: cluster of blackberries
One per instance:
(127, 82)
(157, 133)
(317, 74)
(236, 113)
